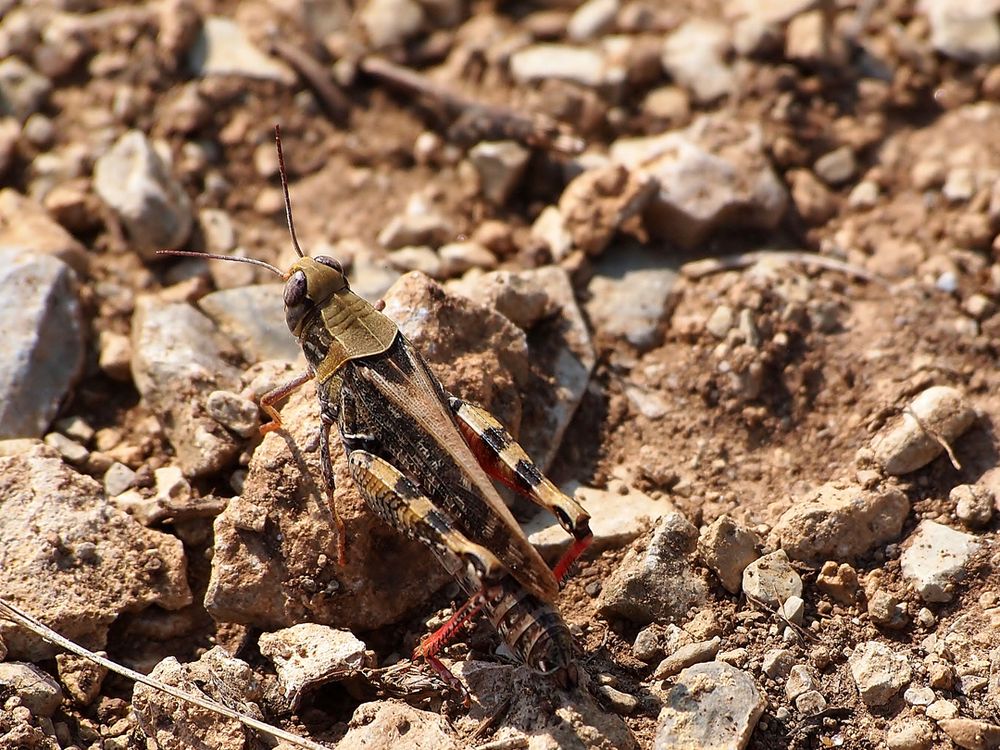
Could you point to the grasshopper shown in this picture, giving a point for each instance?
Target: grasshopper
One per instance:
(423, 459)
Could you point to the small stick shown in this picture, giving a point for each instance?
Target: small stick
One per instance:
(511, 743)
(476, 120)
(14, 613)
(334, 101)
(700, 268)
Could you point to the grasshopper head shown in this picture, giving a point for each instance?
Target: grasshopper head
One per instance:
(311, 283)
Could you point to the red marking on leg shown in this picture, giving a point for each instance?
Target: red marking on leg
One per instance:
(570, 557)
(436, 640)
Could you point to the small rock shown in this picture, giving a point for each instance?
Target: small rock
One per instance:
(879, 672)
(669, 104)
(657, 583)
(968, 33)
(591, 19)
(81, 677)
(971, 734)
(793, 609)
(649, 643)
(885, 610)
(907, 446)
(22, 90)
(918, 696)
(26, 225)
(615, 519)
(117, 479)
(562, 62)
(814, 201)
(721, 321)
(979, 306)
(839, 581)
(771, 579)
(233, 412)
(777, 663)
(414, 229)
(417, 258)
(217, 229)
(77, 429)
(37, 691)
(934, 560)
(910, 734)
(500, 166)
(754, 36)
(253, 319)
(695, 170)
(41, 328)
(959, 185)
(169, 722)
(459, 257)
(686, 656)
(116, 356)
(810, 703)
(941, 709)
(810, 39)
(727, 547)
(136, 184)
(711, 706)
(71, 451)
(308, 655)
(694, 56)
(840, 522)
(864, 195)
(389, 23)
(598, 201)
(631, 295)
(973, 504)
(621, 703)
(836, 167)
(223, 49)
(550, 228)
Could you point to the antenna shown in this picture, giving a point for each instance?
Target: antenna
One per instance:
(284, 190)
(213, 256)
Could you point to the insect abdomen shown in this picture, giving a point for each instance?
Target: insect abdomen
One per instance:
(533, 630)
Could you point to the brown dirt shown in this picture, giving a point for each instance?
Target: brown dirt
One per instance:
(714, 451)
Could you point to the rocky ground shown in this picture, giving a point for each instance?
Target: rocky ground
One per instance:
(731, 273)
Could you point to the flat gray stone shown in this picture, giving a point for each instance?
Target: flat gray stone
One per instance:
(712, 706)
(41, 340)
(222, 48)
(136, 184)
(658, 582)
(253, 319)
(631, 294)
(686, 656)
(934, 560)
(178, 359)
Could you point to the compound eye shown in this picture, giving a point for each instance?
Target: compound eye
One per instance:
(295, 289)
(331, 263)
